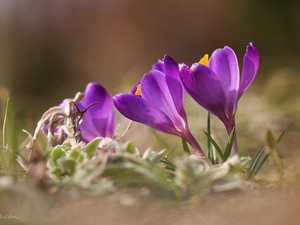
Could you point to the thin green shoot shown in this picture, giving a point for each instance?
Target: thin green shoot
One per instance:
(212, 154)
(209, 145)
(185, 147)
(229, 145)
(255, 165)
(4, 123)
(218, 149)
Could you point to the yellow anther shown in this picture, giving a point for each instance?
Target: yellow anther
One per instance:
(138, 90)
(204, 60)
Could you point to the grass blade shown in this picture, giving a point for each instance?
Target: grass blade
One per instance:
(4, 123)
(261, 164)
(280, 137)
(272, 144)
(209, 145)
(216, 146)
(255, 160)
(185, 146)
(214, 160)
(229, 145)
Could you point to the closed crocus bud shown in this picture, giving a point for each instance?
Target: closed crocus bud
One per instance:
(99, 118)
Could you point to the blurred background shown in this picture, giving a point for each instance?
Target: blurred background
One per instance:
(51, 49)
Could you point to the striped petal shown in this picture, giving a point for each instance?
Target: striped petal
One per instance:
(225, 65)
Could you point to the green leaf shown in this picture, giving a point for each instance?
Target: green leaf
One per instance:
(214, 157)
(130, 148)
(54, 168)
(271, 142)
(50, 164)
(216, 147)
(81, 158)
(57, 152)
(147, 154)
(75, 153)
(185, 146)
(68, 165)
(229, 145)
(134, 172)
(92, 147)
(155, 158)
(273, 148)
(169, 164)
(57, 171)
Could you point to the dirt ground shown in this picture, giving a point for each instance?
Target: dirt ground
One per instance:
(273, 207)
(272, 204)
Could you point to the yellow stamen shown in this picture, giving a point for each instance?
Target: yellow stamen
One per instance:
(138, 90)
(204, 60)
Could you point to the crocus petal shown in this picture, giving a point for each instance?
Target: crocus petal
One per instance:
(205, 88)
(171, 67)
(142, 111)
(168, 66)
(159, 66)
(155, 89)
(89, 132)
(250, 67)
(176, 89)
(225, 65)
(101, 114)
(87, 128)
(171, 71)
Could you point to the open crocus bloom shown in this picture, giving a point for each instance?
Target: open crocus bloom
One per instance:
(99, 119)
(157, 101)
(216, 83)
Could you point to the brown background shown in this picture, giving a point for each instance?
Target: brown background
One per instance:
(52, 49)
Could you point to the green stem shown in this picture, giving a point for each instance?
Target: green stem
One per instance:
(229, 127)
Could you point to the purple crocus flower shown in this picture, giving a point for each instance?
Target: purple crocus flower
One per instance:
(99, 119)
(216, 83)
(157, 101)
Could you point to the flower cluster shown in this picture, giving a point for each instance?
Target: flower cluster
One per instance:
(157, 100)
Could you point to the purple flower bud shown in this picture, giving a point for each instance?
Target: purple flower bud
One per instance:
(99, 119)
